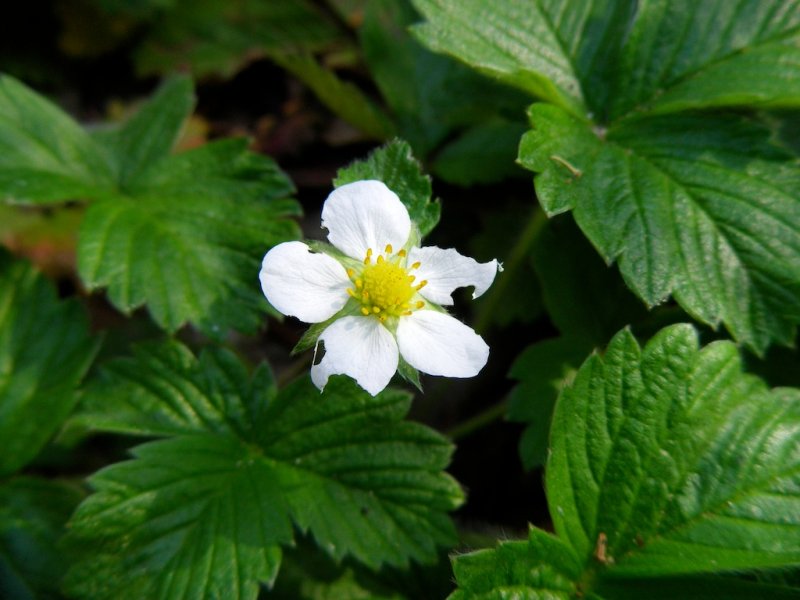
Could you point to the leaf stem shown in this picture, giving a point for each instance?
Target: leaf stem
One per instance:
(514, 261)
(295, 369)
(489, 415)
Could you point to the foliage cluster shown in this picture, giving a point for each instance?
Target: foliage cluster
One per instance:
(647, 313)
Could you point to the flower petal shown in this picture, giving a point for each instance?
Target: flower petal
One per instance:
(311, 287)
(446, 270)
(359, 347)
(439, 344)
(365, 214)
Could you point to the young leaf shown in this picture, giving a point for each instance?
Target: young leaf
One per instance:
(45, 349)
(394, 165)
(701, 207)
(506, 570)
(220, 496)
(44, 155)
(33, 513)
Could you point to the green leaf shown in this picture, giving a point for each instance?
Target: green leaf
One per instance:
(668, 469)
(191, 517)
(700, 207)
(164, 390)
(703, 207)
(150, 134)
(507, 572)
(584, 297)
(695, 587)
(536, 46)
(189, 237)
(180, 233)
(44, 155)
(684, 54)
(394, 165)
(220, 497)
(542, 370)
(45, 349)
(32, 517)
(693, 466)
(210, 37)
(483, 154)
(343, 98)
(431, 96)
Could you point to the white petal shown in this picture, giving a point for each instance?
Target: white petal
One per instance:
(365, 214)
(311, 287)
(359, 347)
(446, 270)
(439, 344)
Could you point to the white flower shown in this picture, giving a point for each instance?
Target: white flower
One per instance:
(385, 292)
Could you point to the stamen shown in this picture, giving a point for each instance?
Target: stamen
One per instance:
(420, 304)
(402, 253)
(380, 258)
(365, 296)
(351, 293)
(388, 249)
(422, 284)
(407, 313)
(411, 278)
(368, 258)
(359, 283)
(376, 309)
(365, 311)
(350, 273)
(382, 318)
(416, 265)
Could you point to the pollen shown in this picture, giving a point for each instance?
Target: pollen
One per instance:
(384, 287)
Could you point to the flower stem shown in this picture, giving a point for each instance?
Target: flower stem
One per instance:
(515, 260)
(489, 415)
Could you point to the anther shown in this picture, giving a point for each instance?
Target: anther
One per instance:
(416, 265)
(365, 311)
(411, 278)
(422, 284)
(351, 293)
(382, 318)
(350, 273)
(380, 258)
(388, 249)
(420, 304)
(376, 309)
(402, 253)
(407, 313)
(368, 257)
(359, 283)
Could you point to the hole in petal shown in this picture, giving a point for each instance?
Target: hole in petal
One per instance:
(319, 352)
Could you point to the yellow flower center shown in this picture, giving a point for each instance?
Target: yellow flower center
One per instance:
(386, 287)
